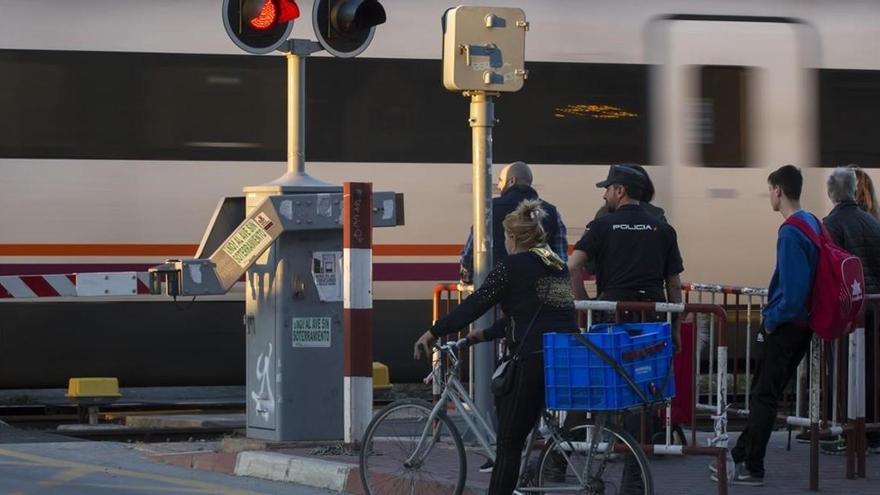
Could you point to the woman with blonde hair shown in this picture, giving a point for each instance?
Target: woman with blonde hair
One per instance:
(865, 197)
(532, 286)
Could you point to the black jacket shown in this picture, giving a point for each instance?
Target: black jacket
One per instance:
(654, 211)
(522, 284)
(501, 207)
(859, 233)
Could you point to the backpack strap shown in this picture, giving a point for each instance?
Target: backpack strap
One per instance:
(807, 229)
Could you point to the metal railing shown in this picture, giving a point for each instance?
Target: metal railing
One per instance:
(725, 320)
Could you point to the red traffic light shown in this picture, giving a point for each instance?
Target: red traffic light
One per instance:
(259, 26)
(263, 14)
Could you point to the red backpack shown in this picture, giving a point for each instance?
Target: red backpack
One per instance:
(838, 295)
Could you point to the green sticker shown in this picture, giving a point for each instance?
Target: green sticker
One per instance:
(311, 332)
(248, 241)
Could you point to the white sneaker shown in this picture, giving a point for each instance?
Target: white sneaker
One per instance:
(741, 476)
(713, 466)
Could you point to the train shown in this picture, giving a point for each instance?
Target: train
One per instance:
(123, 122)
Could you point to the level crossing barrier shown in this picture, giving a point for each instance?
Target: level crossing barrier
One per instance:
(74, 285)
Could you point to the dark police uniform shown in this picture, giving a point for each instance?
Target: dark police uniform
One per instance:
(635, 252)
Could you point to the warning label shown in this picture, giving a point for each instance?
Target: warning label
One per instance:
(311, 332)
(249, 240)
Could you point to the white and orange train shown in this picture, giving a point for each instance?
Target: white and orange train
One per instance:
(122, 122)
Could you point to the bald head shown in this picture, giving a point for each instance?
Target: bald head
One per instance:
(514, 174)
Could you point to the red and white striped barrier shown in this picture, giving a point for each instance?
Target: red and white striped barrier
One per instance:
(74, 285)
(357, 312)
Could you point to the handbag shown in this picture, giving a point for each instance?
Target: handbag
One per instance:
(505, 373)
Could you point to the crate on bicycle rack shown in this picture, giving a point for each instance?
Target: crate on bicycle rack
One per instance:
(578, 379)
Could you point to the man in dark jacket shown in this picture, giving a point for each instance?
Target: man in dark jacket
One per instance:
(515, 185)
(858, 232)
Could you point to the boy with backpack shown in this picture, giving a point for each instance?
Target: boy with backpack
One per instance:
(785, 322)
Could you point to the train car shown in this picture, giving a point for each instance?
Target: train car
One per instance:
(122, 123)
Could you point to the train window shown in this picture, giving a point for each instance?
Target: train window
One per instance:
(721, 126)
(398, 112)
(141, 106)
(848, 125)
(144, 106)
(576, 113)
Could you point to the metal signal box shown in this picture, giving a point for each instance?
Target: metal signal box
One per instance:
(484, 49)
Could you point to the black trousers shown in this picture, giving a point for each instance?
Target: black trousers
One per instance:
(518, 413)
(783, 350)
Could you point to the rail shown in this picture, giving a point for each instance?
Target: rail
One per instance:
(725, 319)
(832, 406)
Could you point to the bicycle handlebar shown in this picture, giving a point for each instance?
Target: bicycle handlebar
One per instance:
(454, 346)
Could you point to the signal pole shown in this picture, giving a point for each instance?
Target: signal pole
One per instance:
(296, 176)
(482, 120)
(483, 55)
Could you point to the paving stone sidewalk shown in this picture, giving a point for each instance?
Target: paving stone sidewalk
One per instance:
(787, 471)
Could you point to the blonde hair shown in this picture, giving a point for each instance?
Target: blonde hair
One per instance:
(524, 224)
(865, 196)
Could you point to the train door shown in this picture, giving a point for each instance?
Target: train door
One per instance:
(733, 100)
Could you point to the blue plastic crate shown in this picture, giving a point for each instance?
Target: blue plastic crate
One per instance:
(577, 379)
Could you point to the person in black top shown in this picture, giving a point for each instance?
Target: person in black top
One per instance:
(532, 286)
(645, 198)
(515, 185)
(637, 259)
(857, 231)
(636, 254)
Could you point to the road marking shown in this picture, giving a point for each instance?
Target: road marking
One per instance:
(71, 466)
(67, 475)
(150, 488)
(17, 463)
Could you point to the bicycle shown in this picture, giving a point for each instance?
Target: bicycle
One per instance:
(396, 450)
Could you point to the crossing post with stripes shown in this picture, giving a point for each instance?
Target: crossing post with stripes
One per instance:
(357, 313)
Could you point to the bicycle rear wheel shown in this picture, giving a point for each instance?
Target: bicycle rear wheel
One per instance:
(595, 460)
(404, 451)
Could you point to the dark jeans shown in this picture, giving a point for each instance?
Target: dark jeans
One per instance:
(783, 350)
(517, 414)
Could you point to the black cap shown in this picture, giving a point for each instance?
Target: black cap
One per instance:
(624, 176)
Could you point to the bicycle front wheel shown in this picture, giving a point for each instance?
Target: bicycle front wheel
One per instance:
(406, 451)
(594, 460)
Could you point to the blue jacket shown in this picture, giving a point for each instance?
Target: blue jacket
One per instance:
(792, 282)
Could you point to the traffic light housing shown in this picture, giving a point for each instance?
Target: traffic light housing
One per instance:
(345, 28)
(259, 26)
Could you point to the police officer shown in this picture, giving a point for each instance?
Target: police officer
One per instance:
(637, 259)
(636, 253)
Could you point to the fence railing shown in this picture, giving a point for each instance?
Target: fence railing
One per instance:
(828, 396)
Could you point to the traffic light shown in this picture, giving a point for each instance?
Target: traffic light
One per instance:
(345, 27)
(259, 26)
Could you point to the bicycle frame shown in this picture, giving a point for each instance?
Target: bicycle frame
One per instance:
(454, 391)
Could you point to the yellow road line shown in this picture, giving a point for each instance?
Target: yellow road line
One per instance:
(175, 489)
(70, 465)
(17, 463)
(67, 475)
